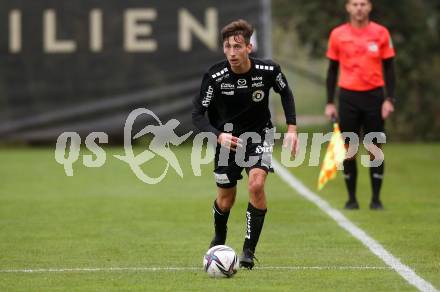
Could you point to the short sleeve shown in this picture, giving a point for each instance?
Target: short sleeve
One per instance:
(332, 48)
(387, 48)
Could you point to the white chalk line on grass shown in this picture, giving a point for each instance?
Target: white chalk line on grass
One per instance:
(375, 247)
(185, 269)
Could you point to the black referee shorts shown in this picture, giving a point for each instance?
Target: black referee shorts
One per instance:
(226, 176)
(361, 111)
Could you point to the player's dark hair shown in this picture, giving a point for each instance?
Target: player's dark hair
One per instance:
(236, 28)
(347, 1)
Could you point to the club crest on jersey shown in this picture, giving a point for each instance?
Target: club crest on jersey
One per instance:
(258, 95)
(373, 47)
(242, 83)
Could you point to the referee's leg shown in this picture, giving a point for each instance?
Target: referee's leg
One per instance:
(374, 123)
(350, 121)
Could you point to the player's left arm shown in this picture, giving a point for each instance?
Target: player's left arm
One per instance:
(388, 53)
(281, 86)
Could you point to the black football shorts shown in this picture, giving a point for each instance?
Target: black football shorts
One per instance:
(361, 112)
(228, 168)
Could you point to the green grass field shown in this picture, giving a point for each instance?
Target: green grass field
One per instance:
(105, 217)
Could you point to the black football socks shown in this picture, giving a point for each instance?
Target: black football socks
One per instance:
(254, 225)
(220, 224)
(376, 176)
(350, 174)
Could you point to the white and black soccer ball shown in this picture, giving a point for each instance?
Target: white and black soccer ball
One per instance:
(220, 261)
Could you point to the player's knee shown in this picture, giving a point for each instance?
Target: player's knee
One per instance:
(256, 185)
(225, 199)
(230, 202)
(225, 205)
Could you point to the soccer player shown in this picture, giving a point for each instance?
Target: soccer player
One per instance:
(235, 95)
(364, 53)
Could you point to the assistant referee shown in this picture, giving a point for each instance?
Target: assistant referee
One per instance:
(363, 52)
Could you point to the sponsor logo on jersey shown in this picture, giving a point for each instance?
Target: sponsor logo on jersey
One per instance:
(257, 78)
(207, 99)
(242, 83)
(257, 84)
(227, 86)
(231, 92)
(280, 81)
(258, 95)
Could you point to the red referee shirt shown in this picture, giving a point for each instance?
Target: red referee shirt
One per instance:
(360, 53)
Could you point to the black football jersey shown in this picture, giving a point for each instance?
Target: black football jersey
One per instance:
(241, 99)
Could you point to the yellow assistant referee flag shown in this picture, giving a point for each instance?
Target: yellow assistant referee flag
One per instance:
(334, 156)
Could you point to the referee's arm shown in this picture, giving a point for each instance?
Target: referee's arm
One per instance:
(390, 84)
(390, 79)
(332, 78)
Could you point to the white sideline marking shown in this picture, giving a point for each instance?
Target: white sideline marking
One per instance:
(375, 247)
(159, 269)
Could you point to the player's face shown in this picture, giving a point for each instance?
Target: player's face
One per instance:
(237, 51)
(359, 10)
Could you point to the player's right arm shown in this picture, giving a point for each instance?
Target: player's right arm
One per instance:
(332, 76)
(201, 103)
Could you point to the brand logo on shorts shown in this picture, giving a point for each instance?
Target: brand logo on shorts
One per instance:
(264, 149)
(258, 95)
(221, 178)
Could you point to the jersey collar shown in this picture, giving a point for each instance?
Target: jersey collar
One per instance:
(241, 74)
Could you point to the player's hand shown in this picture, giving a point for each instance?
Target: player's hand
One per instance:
(387, 109)
(330, 111)
(229, 141)
(291, 140)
